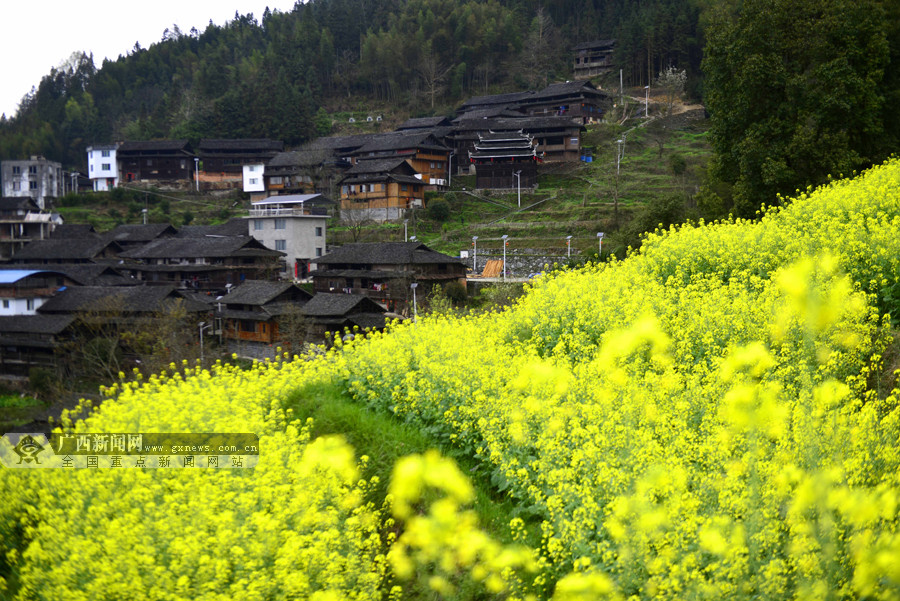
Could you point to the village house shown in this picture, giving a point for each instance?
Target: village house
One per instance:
(306, 171)
(56, 250)
(208, 263)
(168, 161)
(594, 58)
(103, 169)
(253, 312)
(82, 274)
(383, 271)
(21, 221)
(129, 236)
(23, 291)
(35, 178)
(30, 341)
(578, 100)
(504, 160)
(423, 151)
(221, 162)
(294, 224)
(332, 315)
(556, 139)
(380, 190)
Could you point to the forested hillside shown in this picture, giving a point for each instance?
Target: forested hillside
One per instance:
(271, 75)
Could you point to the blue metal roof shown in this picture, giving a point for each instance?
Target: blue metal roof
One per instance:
(11, 276)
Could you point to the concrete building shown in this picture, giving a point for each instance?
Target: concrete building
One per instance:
(292, 225)
(102, 169)
(35, 178)
(254, 182)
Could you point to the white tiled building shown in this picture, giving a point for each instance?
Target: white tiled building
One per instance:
(102, 169)
(287, 223)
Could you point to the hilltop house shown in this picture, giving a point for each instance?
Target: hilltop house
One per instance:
(103, 169)
(170, 161)
(594, 58)
(383, 271)
(578, 100)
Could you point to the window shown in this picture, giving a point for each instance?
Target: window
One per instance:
(29, 304)
(318, 252)
(105, 166)
(16, 170)
(32, 185)
(103, 153)
(345, 190)
(404, 187)
(251, 168)
(280, 223)
(92, 167)
(5, 304)
(319, 231)
(275, 180)
(32, 169)
(17, 186)
(257, 224)
(254, 181)
(281, 245)
(573, 141)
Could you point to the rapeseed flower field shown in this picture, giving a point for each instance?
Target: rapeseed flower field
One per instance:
(709, 418)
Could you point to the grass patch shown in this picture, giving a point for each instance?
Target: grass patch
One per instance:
(385, 440)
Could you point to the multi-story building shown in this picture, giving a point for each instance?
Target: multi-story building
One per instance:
(102, 169)
(294, 224)
(35, 178)
(21, 222)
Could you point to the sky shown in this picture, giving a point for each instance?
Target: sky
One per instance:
(40, 34)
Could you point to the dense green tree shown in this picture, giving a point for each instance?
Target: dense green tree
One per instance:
(796, 92)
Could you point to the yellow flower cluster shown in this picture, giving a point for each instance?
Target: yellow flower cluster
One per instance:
(294, 526)
(694, 421)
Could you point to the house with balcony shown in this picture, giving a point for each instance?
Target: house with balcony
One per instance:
(380, 190)
(578, 100)
(427, 155)
(157, 161)
(222, 162)
(295, 224)
(383, 271)
(206, 263)
(594, 58)
(103, 171)
(31, 341)
(21, 221)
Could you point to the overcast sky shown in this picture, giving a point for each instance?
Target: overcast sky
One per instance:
(40, 34)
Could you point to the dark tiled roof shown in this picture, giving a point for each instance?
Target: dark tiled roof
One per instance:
(86, 274)
(132, 299)
(241, 145)
(14, 203)
(260, 292)
(201, 247)
(595, 44)
(396, 141)
(368, 321)
(385, 253)
(569, 88)
(526, 124)
(489, 113)
(506, 99)
(64, 248)
(232, 227)
(154, 146)
(74, 230)
(140, 233)
(424, 123)
(390, 165)
(35, 324)
(339, 142)
(326, 304)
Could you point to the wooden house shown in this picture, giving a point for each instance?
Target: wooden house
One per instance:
(383, 271)
(578, 100)
(380, 189)
(130, 236)
(427, 155)
(304, 171)
(212, 263)
(67, 250)
(594, 58)
(30, 341)
(556, 139)
(23, 291)
(331, 314)
(252, 312)
(156, 160)
(221, 162)
(504, 160)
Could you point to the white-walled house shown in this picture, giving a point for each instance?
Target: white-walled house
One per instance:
(35, 178)
(102, 169)
(254, 183)
(22, 291)
(290, 224)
